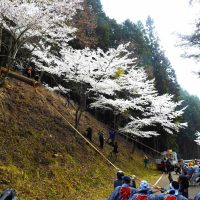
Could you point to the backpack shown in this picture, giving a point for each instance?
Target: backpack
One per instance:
(141, 197)
(124, 193)
(170, 197)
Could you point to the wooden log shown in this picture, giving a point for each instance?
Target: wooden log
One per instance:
(20, 77)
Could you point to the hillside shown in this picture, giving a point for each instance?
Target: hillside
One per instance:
(42, 157)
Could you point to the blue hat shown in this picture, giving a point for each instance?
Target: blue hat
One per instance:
(126, 178)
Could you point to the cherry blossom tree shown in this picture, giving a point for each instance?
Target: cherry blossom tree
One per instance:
(28, 22)
(197, 140)
(89, 70)
(113, 81)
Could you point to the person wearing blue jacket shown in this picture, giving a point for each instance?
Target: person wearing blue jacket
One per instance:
(197, 196)
(118, 181)
(123, 192)
(8, 194)
(144, 193)
(111, 136)
(173, 193)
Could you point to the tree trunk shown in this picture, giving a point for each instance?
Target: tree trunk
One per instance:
(77, 118)
(1, 32)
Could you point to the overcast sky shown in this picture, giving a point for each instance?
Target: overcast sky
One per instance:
(170, 17)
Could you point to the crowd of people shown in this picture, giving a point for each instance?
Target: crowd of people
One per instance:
(125, 186)
(191, 170)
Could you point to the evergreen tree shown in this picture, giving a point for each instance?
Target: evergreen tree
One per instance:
(192, 115)
(164, 75)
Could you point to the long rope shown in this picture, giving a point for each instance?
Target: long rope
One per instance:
(79, 132)
(120, 133)
(100, 153)
(141, 143)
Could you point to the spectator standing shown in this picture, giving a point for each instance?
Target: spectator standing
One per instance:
(101, 139)
(113, 153)
(111, 136)
(29, 71)
(118, 180)
(89, 133)
(146, 161)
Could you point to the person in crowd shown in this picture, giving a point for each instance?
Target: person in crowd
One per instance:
(178, 168)
(189, 171)
(183, 185)
(173, 193)
(115, 148)
(182, 165)
(118, 180)
(146, 161)
(197, 196)
(133, 181)
(29, 71)
(185, 169)
(163, 167)
(111, 137)
(168, 166)
(195, 172)
(123, 192)
(114, 152)
(101, 139)
(89, 133)
(9, 194)
(144, 193)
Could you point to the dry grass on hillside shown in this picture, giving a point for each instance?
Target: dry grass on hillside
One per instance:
(42, 157)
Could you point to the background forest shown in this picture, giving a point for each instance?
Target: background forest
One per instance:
(95, 29)
(105, 33)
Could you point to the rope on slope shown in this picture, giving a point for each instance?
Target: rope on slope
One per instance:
(141, 143)
(53, 108)
(35, 84)
(101, 154)
(120, 133)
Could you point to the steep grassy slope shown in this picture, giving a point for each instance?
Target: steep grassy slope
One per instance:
(42, 157)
